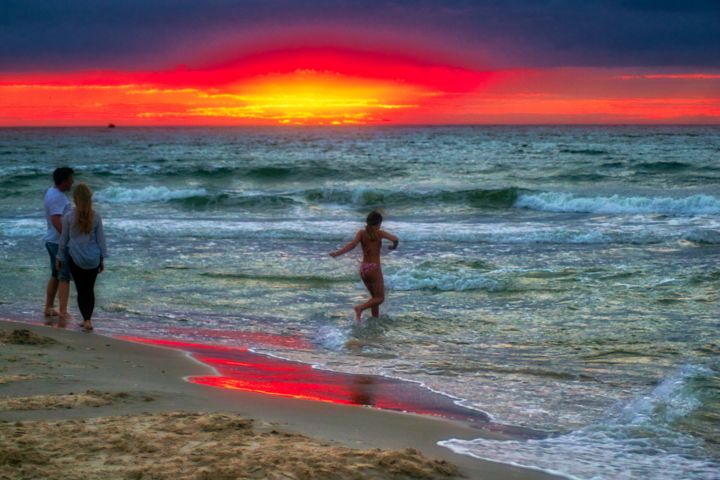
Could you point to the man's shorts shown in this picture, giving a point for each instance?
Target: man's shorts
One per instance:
(64, 273)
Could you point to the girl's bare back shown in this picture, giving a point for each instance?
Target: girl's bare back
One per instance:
(370, 246)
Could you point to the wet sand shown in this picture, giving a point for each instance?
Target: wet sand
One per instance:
(75, 405)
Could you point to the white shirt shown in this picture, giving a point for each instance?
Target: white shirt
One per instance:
(56, 203)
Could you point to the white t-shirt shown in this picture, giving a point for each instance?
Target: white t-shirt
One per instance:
(56, 203)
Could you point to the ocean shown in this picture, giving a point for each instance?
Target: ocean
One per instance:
(560, 279)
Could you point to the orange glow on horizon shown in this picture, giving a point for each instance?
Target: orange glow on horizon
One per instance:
(304, 97)
(292, 86)
(332, 86)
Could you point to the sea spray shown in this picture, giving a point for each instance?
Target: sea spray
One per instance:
(690, 205)
(619, 204)
(642, 232)
(145, 194)
(333, 338)
(637, 439)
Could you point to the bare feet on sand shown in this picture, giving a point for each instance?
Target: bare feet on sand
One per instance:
(63, 319)
(49, 313)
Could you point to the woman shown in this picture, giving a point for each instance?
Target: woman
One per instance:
(83, 235)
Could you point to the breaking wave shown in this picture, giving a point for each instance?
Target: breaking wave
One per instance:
(146, 194)
(618, 204)
(639, 439)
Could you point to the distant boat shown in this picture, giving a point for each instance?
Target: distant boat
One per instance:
(111, 125)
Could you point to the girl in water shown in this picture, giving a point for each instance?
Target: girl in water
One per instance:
(370, 271)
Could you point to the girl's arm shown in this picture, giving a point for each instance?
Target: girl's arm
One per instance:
(100, 236)
(353, 243)
(390, 237)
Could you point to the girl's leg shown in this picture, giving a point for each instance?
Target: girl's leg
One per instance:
(378, 292)
(90, 299)
(78, 275)
(374, 283)
(85, 286)
(368, 284)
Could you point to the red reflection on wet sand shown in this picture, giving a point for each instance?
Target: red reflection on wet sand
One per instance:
(240, 369)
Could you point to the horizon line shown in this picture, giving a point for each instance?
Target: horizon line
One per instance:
(381, 125)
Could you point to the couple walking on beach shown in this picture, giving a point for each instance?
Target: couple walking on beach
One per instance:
(75, 241)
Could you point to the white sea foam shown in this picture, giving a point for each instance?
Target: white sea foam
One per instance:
(617, 204)
(339, 230)
(146, 194)
(452, 280)
(332, 338)
(636, 440)
(24, 227)
(703, 236)
(591, 233)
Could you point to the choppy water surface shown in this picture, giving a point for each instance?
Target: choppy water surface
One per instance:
(559, 278)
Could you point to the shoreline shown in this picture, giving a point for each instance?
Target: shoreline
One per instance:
(238, 368)
(89, 362)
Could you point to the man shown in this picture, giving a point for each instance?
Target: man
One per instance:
(56, 205)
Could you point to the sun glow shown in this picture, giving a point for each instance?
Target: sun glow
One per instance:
(332, 86)
(304, 97)
(293, 86)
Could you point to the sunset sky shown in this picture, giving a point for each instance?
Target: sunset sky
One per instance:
(270, 62)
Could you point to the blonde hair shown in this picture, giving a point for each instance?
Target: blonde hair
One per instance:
(84, 215)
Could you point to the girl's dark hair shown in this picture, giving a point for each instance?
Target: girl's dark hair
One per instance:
(373, 219)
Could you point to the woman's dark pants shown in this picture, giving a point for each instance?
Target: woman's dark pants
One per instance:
(85, 286)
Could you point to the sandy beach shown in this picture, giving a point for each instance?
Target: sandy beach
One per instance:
(76, 405)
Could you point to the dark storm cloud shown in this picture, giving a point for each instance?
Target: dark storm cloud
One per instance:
(101, 34)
